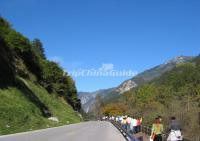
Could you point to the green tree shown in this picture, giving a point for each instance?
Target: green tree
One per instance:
(38, 48)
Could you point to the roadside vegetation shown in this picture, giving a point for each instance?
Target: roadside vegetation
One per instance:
(32, 88)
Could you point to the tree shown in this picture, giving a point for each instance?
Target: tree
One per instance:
(51, 75)
(55, 80)
(38, 48)
(17, 41)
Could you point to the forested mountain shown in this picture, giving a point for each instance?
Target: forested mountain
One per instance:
(157, 71)
(32, 88)
(88, 99)
(174, 93)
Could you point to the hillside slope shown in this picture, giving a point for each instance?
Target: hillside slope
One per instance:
(108, 95)
(32, 88)
(18, 113)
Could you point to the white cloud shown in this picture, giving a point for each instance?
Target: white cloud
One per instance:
(106, 67)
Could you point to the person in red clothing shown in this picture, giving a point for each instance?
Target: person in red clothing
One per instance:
(139, 122)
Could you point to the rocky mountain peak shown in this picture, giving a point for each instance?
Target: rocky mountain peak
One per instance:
(179, 59)
(126, 86)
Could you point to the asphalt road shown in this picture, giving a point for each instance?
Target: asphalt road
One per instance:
(88, 131)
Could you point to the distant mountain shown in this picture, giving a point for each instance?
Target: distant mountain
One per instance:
(88, 99)
(157, 71)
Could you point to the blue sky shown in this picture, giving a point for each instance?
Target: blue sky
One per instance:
(130, 34)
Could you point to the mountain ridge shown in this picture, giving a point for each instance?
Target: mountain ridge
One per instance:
(144, 77)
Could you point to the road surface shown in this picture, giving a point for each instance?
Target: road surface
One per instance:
(88, 131)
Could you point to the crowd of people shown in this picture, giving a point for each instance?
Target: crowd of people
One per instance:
(133, 126)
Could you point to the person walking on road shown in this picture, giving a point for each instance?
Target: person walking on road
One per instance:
(124, 125)
(133, 125)
(139, 122)
(175, 130)
(157, 130)
(128, 122)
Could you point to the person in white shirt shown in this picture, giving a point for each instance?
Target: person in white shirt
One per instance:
(175, 131)
(133, 125)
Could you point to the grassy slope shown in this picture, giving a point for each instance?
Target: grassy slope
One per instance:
(18, 114)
